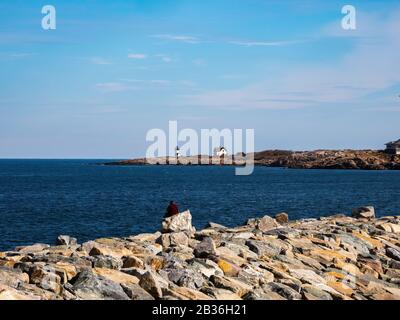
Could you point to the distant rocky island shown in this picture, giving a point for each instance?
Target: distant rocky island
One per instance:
(268, 258)
(319, 159)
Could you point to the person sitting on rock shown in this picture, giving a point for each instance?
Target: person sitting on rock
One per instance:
(172, 210)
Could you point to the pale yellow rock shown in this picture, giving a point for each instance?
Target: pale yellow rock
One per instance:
(183, 256)
(369, 271)
(12, 277)
(375, 287)
(256, 272)
(385, 296)
(38, 247)
(341, 287)
(116, 276)
(371, 241)
(154, 262)
(277, 271)
(233, 285)
(229, 268)
(327, 255)
(394, 291)
(46, 277)
(8, 293)
(307, 276)
(116, 252)
(348, 267)
(61, 250)
(190, 294)
(81, 253)
(228, 254)
(69, 269)
(112, 242)
(146, 237)
(308, 261)
(137, 250)
(7, 263)
(389, 227)
(333, 276)
(329, 244)
(132, 262)
(223, 294)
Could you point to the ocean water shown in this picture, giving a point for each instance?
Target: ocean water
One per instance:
(41, 199)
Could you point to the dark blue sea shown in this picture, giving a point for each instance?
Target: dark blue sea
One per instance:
(41, 199)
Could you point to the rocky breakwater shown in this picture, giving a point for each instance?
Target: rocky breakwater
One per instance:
(338, 257)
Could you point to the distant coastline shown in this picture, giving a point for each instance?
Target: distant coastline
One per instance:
(318, 159)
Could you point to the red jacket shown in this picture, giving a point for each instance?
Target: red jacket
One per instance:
(172, 210)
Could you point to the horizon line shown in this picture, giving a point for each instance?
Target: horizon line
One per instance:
(143, 157)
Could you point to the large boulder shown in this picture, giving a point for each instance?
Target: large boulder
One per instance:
(12, 277)
(64, 240)
(88, 286)
(178, 223)
(205, 248)
(35, 248)
(107, 262)
(364, 213)
(114, 251)
(233, 285)
(267, 223)
(393, 253)
(46, 278)
(150, 283)
(115, 276)
(173, 239)
(9, 293)
(186, 278)
(207, 268)
(263, 224)
(136, 292)
(389, 227)
(132, 262)
(282, 218)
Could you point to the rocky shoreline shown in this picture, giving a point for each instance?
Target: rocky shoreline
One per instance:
(319, 159)
(332, 258)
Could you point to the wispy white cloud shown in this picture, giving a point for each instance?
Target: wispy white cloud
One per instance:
(359, 77)
(385, 109)
(239, 42)
(137, 56)
(148, 82)
(123, 85)
(180, 38)
(231, 76)
(100, 61)
(21, 55)
(140, 83)
(102, 110)
(165, 58)
(187, 83)
(200, 62)
(264, 43)
(112, 87)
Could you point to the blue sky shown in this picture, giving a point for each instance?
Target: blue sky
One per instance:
(112, 70)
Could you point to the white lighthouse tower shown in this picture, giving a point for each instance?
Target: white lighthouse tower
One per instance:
(177, 152)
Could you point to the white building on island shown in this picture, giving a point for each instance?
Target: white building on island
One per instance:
(393, 147)
(220, 152)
